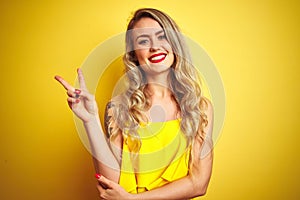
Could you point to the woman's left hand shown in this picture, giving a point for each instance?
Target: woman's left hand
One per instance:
(110, 190)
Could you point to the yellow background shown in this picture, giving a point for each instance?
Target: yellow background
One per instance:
(255, 45)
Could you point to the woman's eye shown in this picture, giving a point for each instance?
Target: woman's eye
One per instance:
(143, 42)
(162, 37)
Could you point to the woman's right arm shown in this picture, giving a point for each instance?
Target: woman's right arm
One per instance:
(104, 160)
(84, 106)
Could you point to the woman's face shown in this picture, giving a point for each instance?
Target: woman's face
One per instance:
(152, 49)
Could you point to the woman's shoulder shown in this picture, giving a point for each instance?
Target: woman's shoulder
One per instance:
(109, 120)
(206, 106)
(114, 101)
(111, 105)
(206, 116)
(209, 115)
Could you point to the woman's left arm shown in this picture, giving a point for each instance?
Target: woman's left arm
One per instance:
(196, 182)
(193, 185)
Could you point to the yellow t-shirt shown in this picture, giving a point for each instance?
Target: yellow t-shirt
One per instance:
(163, 157)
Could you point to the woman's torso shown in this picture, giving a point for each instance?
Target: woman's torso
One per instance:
(163, 157)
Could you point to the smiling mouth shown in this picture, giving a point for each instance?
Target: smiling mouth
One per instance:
(156, 58)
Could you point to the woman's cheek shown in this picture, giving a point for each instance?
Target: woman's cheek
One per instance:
(141, 56)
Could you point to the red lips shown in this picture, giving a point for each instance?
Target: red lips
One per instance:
(156, 58)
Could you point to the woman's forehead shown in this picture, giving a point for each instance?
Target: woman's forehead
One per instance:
(146, 22)
(146, 31)
(146, 26)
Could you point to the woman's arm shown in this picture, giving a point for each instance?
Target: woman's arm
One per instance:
(84, 106)
(194, 184)
(104, 160)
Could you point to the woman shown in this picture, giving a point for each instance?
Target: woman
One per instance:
(159, 143)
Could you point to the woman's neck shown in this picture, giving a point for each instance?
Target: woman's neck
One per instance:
(163, 105)
(158, 90)
(158, 85)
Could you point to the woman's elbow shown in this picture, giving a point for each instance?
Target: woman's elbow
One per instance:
(200, 188)
(201, 191)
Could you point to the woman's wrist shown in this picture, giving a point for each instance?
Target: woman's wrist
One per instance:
(92, 119)
(132, 196)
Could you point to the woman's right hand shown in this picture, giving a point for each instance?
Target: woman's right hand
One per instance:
(81, 102)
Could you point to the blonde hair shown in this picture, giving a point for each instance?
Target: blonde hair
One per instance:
(184, 82)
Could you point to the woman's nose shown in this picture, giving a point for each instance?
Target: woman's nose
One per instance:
(155, 45)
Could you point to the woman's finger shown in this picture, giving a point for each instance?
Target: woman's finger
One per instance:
(105, 183)
(73, 100)
(78, 93)
(81, 79)
(74, 93)
(102, 192)
(64, 83)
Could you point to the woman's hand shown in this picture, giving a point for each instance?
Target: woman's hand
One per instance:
(110, 190)
(82, 103)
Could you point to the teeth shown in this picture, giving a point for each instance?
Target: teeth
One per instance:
(158, 57)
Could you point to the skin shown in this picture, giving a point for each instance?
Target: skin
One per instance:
(149, 39)
(85, 107)
(192, 185)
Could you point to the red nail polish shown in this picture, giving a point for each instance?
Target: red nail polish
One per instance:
(97, 176)
(77, 91)
(77, 100)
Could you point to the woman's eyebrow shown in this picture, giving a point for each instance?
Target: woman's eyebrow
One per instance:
(143, 35)
(159, 32)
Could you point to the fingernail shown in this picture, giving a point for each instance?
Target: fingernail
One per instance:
(77, 91)
(77, 100)
(97, 176)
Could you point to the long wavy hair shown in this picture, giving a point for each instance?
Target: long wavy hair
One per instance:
(184, 82)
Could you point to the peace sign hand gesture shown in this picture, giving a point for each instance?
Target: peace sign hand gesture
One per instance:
(81, 102)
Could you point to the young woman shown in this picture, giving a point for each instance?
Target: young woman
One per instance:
(158, 142)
